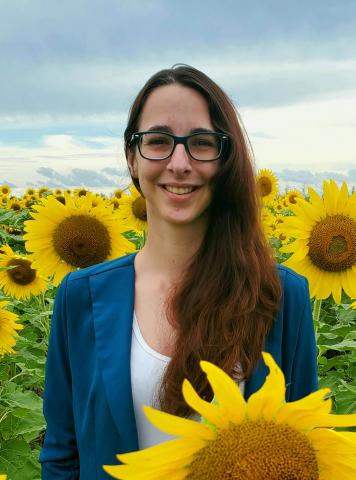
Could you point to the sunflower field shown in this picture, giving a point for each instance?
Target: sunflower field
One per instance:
(47, 233)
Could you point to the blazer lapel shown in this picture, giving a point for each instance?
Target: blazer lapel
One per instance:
(113, 304)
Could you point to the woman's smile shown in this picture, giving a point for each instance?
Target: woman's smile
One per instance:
(186, 183)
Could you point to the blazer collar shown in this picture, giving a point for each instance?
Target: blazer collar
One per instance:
(112, 293)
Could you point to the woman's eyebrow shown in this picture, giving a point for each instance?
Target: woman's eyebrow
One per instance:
(168, 129)
(160, 128)
(201, 129)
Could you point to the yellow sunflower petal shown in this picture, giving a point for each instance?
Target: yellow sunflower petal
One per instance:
(177, 450)
(226, 391)
(177, 426)
(207, 410)
(266, 401)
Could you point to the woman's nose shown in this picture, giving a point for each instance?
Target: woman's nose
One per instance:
(180, 161)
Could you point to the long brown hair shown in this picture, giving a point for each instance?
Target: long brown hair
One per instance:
(226, 302)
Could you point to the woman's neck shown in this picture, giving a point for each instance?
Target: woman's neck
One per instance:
(168, 250)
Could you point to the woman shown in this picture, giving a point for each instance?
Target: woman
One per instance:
(205, 286)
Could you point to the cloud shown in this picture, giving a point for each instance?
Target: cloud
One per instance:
(77, 177)
(125, 30)
(301, 179)
(352, 175)
(64, 160)
(115, 171)
(64, 58)
(318, 134)
(307, 177)
(299, 176)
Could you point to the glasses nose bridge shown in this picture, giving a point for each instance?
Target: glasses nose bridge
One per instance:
(180, 141)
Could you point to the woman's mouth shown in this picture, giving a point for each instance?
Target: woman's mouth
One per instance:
(179, 190)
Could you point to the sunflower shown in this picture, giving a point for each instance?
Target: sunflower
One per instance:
(67, 237)
(132, 210)
(324, 249)
(3, 477)
(267, 184)
(5, 190)
(17, 277)
(29, 201)
(80, 192)
(292, 196)
(30, 192)
(114, 202)
(14, 204)
(268, 221)
(8, 327)
(278, 205)
(118, 193)
(60, 198)
(43, 191)
(96, 199)
(259, 439)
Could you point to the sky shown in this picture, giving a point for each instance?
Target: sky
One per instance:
(71, 69)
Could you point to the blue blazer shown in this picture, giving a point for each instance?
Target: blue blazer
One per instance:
(88, 401)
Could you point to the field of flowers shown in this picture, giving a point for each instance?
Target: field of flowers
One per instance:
(47, 233)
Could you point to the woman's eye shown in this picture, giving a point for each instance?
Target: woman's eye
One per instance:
(202, 142)
(158, 141)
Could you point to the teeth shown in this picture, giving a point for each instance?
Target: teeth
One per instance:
(179, 190)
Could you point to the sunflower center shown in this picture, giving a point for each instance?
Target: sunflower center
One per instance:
(15, 206)
(61, 199)
(21, 271)
(265, 186)
(139, 208)
(256, 450)
(292, 198)
(82, 240)
(332, 243)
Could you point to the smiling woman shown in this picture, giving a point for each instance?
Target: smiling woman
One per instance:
(175, 187)
(205, 286)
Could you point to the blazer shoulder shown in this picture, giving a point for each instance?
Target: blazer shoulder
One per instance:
(117, 263)
(290, 279)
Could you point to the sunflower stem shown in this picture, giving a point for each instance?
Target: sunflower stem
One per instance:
(12, 369)
(316, 315)
(316, 311)
(45, 322)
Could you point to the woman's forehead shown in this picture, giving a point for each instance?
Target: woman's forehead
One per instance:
(175, 106)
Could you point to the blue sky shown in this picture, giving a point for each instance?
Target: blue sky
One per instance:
(70, 70)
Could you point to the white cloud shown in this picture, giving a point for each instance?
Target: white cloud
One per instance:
(61, 153)
(315, 135)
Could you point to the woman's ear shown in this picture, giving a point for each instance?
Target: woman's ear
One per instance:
(132, 163)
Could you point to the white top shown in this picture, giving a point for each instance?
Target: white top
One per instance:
(147, 369)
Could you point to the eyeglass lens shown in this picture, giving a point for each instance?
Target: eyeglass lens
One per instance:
(155, 146)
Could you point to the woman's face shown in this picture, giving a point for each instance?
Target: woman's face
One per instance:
(180, 111)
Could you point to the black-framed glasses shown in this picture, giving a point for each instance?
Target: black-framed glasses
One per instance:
(202, 146)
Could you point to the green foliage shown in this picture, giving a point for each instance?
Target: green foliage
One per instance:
(11, 228)
(336, 339)
(137, 239)
(21, 386)
(22, 375)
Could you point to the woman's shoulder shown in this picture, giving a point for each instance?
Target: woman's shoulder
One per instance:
(295, 291)
(291, 280)
(101, 268)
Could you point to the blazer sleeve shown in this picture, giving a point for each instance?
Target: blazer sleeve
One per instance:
(304, 368)
(59, 455)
